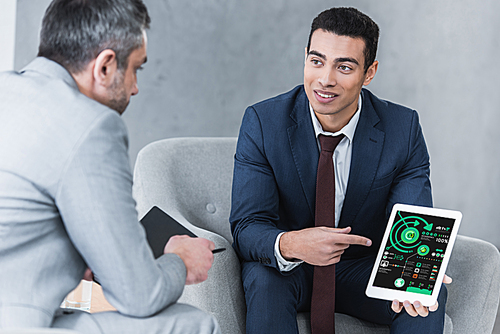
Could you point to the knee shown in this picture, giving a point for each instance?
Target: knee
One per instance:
(191, 319)
(258, 278)
(271, 300)
(206, 323)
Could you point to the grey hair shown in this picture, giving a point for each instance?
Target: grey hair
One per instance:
(75, 31)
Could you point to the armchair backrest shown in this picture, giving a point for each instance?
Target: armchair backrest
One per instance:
(191, 177)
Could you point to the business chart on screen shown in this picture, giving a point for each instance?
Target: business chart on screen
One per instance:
(414, 250)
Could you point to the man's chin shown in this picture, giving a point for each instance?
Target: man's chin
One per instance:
(121, 110)
(326, 112)
(118, 106)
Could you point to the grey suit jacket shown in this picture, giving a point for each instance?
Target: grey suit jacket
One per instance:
(66, 203)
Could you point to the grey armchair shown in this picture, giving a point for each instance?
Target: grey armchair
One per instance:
(190, 178)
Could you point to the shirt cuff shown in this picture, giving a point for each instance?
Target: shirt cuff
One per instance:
(283, 264)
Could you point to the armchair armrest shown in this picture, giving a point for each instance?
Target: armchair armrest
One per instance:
(473, 296)
(222, 293)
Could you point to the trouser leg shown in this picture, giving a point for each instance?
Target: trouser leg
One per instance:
(176, 319)
(273, 299)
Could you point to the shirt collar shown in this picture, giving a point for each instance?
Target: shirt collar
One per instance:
(348, 130)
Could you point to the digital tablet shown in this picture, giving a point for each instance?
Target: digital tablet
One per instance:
(160, 227)
(414, 254)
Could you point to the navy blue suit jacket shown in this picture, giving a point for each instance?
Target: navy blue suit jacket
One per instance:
(274, 182)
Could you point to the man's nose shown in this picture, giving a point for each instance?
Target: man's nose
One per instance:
(135, 89)
(328, 77)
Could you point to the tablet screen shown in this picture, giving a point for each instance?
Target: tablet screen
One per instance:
(414, 252)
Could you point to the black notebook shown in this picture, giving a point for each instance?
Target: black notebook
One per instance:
(160, 227)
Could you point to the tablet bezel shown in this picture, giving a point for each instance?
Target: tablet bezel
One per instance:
(390, 294)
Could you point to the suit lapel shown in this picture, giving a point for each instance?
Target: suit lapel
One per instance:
(366, 151)
(304, 148)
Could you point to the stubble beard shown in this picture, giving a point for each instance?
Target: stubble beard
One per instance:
(118, 100)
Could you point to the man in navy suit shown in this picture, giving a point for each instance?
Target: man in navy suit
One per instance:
(382, 160)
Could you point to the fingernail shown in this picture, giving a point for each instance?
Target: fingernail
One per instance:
(369, 243)
(417, 304)
(395, 303)
(406, 304)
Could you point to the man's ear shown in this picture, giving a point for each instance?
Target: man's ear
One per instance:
(105, 68)
(372, 70)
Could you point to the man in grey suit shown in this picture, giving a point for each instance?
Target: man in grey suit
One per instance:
(66, 187)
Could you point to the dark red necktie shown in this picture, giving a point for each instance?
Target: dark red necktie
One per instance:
(323, 295)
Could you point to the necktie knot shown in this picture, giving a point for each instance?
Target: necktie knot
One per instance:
(329, 143)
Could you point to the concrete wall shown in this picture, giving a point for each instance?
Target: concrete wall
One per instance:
(210, 59)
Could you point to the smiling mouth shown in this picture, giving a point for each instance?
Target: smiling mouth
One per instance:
(325, 96)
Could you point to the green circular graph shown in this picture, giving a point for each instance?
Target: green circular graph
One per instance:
(405, 234)
(423, 250)
(410, 235)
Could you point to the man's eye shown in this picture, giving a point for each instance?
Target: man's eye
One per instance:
(316, 62)
(344, 68)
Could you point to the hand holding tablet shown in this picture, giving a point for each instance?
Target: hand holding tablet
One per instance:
(412, 260)
(417, 309)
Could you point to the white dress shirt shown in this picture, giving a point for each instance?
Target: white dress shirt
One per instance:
(341, 162)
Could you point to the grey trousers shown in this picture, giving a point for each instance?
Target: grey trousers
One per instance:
(176, 319)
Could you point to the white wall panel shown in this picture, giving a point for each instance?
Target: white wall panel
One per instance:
(7, 33)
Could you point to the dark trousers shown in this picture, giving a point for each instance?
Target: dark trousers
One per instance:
(273, 299)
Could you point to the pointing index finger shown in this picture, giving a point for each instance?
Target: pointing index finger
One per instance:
(353, 239)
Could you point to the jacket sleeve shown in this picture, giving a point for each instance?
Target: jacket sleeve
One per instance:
(412, 184)
(255, 197)
(95, 201)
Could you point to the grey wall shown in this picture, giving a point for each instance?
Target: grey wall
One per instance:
(210, 59)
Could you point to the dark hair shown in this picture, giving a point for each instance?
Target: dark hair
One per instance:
(75, 31)
(348, 21)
